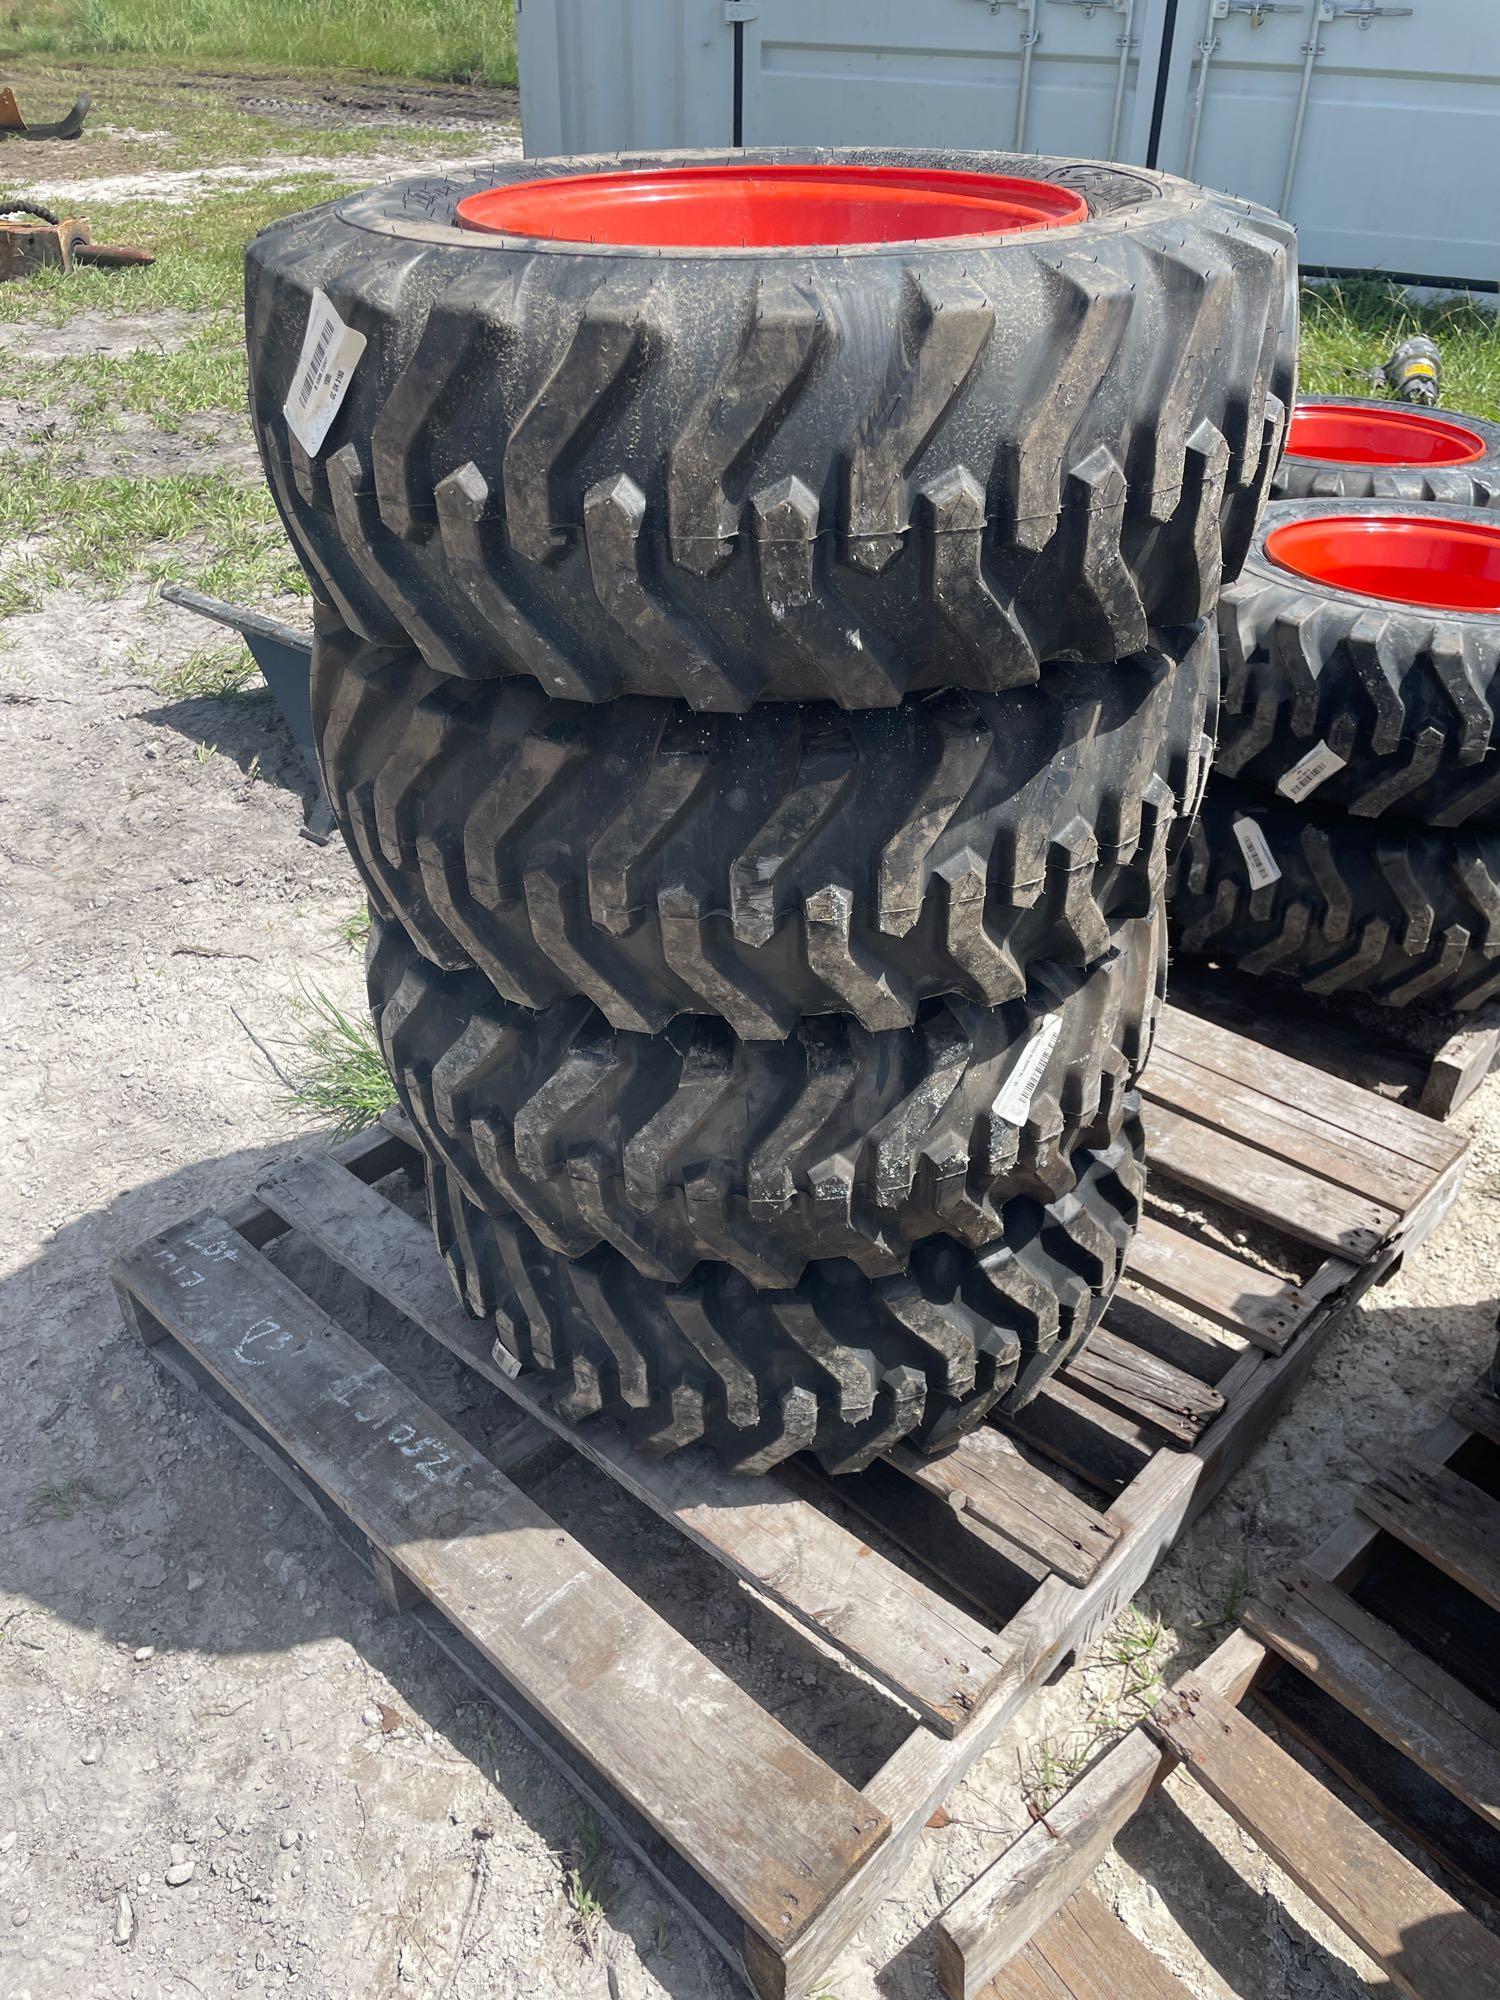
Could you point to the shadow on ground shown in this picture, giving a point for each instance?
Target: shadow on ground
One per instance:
(135, 1514)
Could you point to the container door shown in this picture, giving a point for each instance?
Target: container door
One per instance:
(606, 76)
(1049, 76)
(1375, 128)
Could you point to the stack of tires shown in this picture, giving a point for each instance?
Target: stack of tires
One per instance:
(758, 686)
(1350, 840)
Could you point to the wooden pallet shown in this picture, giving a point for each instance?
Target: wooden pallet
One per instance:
(1025, 1539)
(1380, 1049)
(1381, 1656)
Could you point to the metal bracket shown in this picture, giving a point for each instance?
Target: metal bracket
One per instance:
(1091, 7)
(1255, 11)
(1361, 13)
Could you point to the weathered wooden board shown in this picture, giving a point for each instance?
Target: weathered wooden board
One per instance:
(1265, 1308)
(1392, 1688)
(1266, 1186)
(1286, 1130)
(1452, 1524)
(1174, 1402)
(1401, 1792)
(985, 1476)
(1458, 1069)
(769, 1825)
(1427, 1944)
(924, 1649)
(989, 1922)
(1084, 1952)
(1358, 1114)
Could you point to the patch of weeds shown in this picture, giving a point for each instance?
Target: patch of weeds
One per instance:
(113, 531)
(20, 590)
(1234, 1597)
(56, 1499)
(489, 1743)
(354, 930)
(206, 752)
(206, 373)
(1134, 1643)
(337, 1070)
(1050, 1765)
(215, 673)
(586, 1882)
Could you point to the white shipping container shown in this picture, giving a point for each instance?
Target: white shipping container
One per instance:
(1375, 128)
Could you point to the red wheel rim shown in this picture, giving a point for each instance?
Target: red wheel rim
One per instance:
(1347, 434)
(1441, 565)
(769, 207)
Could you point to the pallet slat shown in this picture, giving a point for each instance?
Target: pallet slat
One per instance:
(1357, 1114)
(769, 1824)
(1284, 1130)
(1265, 1308)
(984, 1475)
(1443, 1518)
(926, 1651)
(1391, 1687)
(1084, 1952)
(1266, 1186)
(984, 1926)
(1427, 1944)
(1143, 1386)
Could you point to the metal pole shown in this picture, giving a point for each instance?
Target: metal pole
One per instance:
(1206, 47)
(1311, 50)
(1120, 74)
(1029, 38)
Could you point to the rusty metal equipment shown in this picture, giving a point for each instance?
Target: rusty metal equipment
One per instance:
(14, 126)
(34, 239)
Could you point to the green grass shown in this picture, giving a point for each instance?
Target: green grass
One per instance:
(200, 252)
(1349, 329)
(464, 41)
(113, 531)
(215, 673)
(206, 373)
(337, 1071)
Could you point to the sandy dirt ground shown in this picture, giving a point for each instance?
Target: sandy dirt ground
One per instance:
(223, 1769)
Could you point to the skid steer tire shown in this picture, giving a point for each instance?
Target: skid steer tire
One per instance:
(766, 1156)
(797, 860)
(1473, 483)
(1408, 698)
(1398, 914)
(840, 473)
(840, 1364)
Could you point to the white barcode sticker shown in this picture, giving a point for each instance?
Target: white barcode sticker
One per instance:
(330, 353)
(1014, 1101)
(1308, 772)
(1260, 863)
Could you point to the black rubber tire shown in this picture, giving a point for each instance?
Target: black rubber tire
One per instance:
(1409, 698)
(1398, 914)
(732, 476)
(764, 1155)
(797, 860)
(1474, 485)
(841, 1364)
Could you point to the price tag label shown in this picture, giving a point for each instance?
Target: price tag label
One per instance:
(1260, 863)
(1014, 1101)
(330, 354)
(1308, 772)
